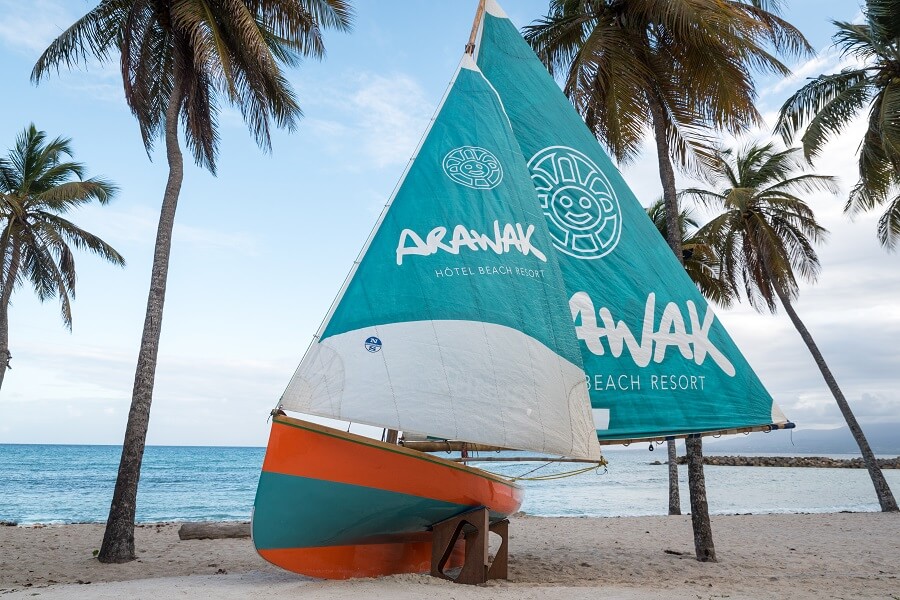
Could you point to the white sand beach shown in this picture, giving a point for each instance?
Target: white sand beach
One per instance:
(805, 556)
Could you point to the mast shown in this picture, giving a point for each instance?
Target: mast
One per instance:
(391, 435)
(479, 14)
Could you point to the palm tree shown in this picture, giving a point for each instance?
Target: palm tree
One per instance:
(765, 236)
(678, 67)
(830, 102)
(698, 253)
(39, 184)
(180, 60)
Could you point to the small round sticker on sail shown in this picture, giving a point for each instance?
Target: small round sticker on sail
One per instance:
(581, 208)
(473, 167)
(373, 344)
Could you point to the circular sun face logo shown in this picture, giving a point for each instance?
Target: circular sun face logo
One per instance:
(582, 210)
(473, 167)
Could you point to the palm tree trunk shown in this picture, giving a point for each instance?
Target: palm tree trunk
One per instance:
(8, 285)
(882, 490)
(4, 340)
(703, 541)
(666, 175)
(674, 493)
(118, 539)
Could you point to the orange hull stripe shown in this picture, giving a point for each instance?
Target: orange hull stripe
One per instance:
(306, 450)
(367, 560)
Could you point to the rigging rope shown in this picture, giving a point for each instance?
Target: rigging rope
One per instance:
(593, 467)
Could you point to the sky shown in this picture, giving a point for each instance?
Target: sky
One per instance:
(260, 251)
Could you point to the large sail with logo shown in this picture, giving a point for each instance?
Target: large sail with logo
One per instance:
(657, 361)
(453, 323)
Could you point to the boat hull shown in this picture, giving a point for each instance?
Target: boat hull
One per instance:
(336, 505)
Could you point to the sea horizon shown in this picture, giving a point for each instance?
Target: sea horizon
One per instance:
(72, 483)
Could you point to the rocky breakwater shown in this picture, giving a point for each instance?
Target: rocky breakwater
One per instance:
(792, 461)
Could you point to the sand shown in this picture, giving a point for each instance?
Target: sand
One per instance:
(847, 555)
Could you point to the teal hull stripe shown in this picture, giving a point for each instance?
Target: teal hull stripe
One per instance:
(299, 512)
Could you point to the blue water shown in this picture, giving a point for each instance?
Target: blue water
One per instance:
(66, 484)
(74, 484)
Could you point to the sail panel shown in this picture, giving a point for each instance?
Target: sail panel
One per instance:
(467, 380)
(454, 321)
(657, 360)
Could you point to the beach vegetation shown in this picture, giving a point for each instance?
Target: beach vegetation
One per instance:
(699, 255)
(180, 62)
(682, 69)
(765, 234)
(828, 104)
(39, 185)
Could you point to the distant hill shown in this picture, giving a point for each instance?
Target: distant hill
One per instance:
(884, 438)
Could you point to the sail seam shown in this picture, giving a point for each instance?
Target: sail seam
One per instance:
(440, 350)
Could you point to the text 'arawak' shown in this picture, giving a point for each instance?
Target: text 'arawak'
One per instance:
(512, 236)
(693, 342)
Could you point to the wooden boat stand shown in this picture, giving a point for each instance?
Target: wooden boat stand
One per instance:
(475, 528)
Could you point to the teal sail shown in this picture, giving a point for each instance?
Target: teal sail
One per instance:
(657, 361)
(454, 321)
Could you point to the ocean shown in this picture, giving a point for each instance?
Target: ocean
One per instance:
(73, 484)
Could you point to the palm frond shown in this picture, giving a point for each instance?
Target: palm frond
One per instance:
(694, 59)
(708, 198)
(881, 16)
(65, 232)
(889, 225)
(856, 39)
(215, 50)
(70, 194)
(877, 173)
(838, 96)
(95, 34)
(889, 119)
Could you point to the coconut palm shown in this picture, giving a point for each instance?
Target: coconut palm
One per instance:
(181, 60)
(829, 103)
(38, 185)
(698, 253)
(765, 236)
(679, 68)
(676, 68)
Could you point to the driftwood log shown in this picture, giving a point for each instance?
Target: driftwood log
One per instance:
(213, 531)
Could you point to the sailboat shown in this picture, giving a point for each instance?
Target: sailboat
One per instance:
(513, 294)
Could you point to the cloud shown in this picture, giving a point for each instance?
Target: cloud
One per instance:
(138, 224)
(383, 116)
(89, 388)
(826, 61)
(394, 114)
(31, 26)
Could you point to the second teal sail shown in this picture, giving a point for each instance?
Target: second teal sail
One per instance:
(657, 360)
